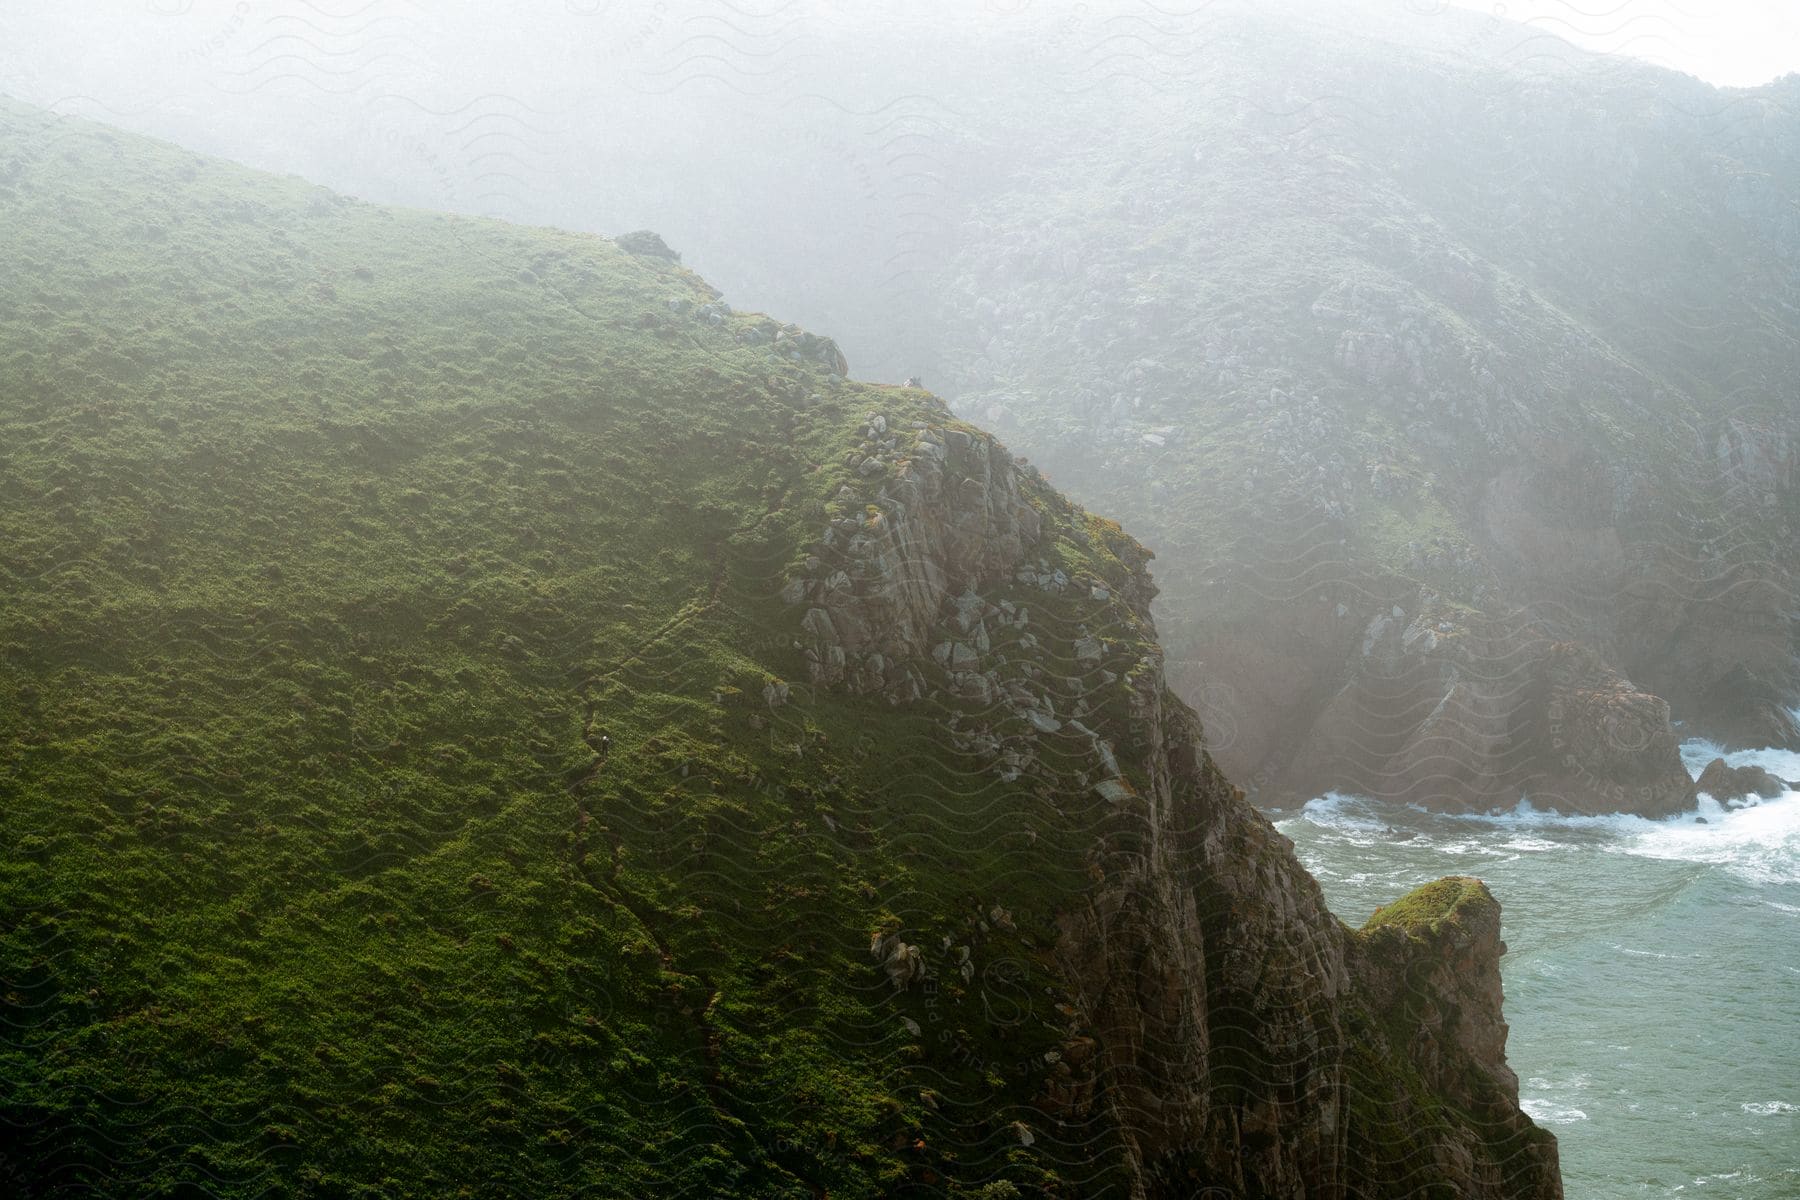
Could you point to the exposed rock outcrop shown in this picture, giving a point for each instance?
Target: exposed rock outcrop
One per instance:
(1228, 1028)
(945, 518)
(1727, 783)
(647, 244)
(1429, 967)
(1455, 710)
(1458, 410)
(1605, 745)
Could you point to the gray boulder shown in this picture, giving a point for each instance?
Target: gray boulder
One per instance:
(645, 244)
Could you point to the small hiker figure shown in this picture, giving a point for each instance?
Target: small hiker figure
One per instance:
(605, 746)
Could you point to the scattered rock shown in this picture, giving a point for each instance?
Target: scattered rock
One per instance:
(902, 962)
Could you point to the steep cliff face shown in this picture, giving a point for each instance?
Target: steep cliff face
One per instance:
(1505, 343)
(944, 516)
(1224, 1026)
(478, 714)
(1712, 622)
(1428, 966)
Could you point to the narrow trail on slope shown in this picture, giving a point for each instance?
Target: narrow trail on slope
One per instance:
(608, 887)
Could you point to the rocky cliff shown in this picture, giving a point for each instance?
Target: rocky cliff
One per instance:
(1226, 1028)
(480, 715)
(1342, 308)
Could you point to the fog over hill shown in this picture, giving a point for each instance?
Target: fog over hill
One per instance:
(1447, 368)
(503, 686)
(859, 131)
(478, 713)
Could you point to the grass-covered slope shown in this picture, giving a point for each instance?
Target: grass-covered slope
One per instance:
(336, 542)
(480, 717)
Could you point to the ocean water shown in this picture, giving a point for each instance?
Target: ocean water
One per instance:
(1652, 975)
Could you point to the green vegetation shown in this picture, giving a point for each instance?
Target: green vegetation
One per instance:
(1427, 907)
(1418, 1011)
(333, 540)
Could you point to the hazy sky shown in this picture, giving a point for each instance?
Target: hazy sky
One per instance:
(105, 47)
(1734, 43)
(598, 114)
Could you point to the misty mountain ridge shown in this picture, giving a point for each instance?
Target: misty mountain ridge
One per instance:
(485, 709)
(850, 134)
(1421, 412)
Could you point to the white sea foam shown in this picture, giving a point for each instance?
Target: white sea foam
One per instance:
(1721, 1177)
(1342, 812)
(1759, 842)
(1473, 846)
(1647, 953)
(1534, 844)
(1696, 754)
(1527, 819)
(1770, 1108)
(1548, 1112)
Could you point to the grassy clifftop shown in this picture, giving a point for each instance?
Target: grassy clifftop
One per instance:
(415, 784)
(394, 802)
(1429, 905)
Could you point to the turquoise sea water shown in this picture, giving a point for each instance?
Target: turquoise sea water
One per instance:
(1652, 975)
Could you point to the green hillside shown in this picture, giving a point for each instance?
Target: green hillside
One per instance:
(480, 717)
(1413, 340)
(333, 539)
